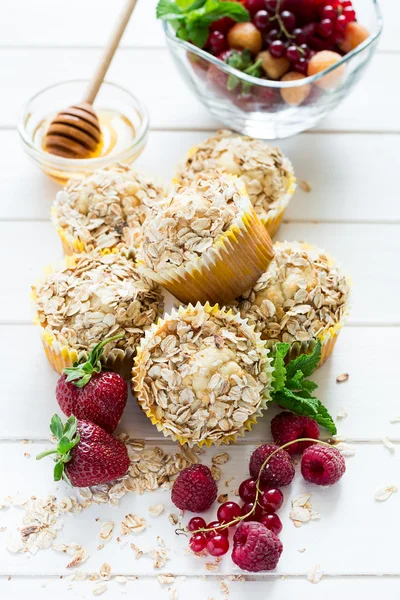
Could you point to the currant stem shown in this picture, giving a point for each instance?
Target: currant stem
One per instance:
(258, 490)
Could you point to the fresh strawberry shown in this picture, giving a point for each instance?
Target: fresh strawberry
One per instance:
(86, 454)
(87, 392)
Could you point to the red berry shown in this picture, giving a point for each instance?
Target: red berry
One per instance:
(272, 36)
(222, 25)
(349, 13)
(271, 5)
(102, 400)
(277, 49)
(247, 490)
(194, 489)
(326, 28)
(323, 465)
(271, 500)
(261, 21)
(278, 471)
(287, 427)
(196, 523)
(217, 545)
(328, 12)
(293, 54)
(256, 548)
(272, 522)
(289, 20)
(228, 511)
(217, 42)
(254, 6)
(341, 23)
(301, 66)
(218, 530)
(198, 542)
(300, 36)
(255, 513)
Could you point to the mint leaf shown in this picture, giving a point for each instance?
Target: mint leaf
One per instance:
(306, 363)
(306, 406)
(197, 34)
(278, 364)
(187, 5)
(56, 427)
(168, 10)
(309, 386)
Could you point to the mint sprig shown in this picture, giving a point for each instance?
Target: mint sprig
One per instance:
(293, 391)
(67, 438)
(81, 373)
(191, 20)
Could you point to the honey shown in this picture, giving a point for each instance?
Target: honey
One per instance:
(117, 134)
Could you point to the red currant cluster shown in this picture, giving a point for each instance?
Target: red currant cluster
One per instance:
(291, 29)
(215, 540)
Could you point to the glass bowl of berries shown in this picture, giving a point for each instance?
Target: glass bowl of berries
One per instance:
(271, 68)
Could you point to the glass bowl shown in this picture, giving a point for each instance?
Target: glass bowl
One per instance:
(48, 102)
(256, 107)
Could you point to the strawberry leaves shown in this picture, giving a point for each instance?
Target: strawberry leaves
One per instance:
(81, 373)
(293, 391)
(67, 438)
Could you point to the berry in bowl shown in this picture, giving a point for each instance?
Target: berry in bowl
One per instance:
(271, 68)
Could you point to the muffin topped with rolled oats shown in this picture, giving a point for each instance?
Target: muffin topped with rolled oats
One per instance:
(202, 375)
(95, 297)
(106, 210)
(267, 173)
(301, 298)
(205, 241)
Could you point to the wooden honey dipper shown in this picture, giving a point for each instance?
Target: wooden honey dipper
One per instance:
(75, 132)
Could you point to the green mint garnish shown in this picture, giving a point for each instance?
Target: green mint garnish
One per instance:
(293, 391)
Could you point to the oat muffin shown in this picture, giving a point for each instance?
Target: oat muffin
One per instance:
(301, 298)
(202, 375)
(205, 242)
(106, 210)
(267, 173)
(92, 298)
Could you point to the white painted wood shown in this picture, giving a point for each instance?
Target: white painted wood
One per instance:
(152, 75)
(325, 160)
(269, 587)
(361, 351)
(70, 23)
(353, 525)
(35, 245)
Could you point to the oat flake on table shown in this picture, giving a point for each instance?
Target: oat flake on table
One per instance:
(382, 494)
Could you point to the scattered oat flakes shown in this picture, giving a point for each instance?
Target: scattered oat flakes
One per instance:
(99, 589)
(224, 589)
(342, 413)
(222, 498)
(220, 459)
(395, 420)
(121, 579)
(385, 492)
(302, 511)
(342, 378)
(166, 579)
(229, 481)
(132, 524)
(105, 571)
(80, 556)
(213, 566)
(241, 578)
(388, 443)
(216, 473)
(137, 551)
(156, 509)
(346, 450)
(100, 547)
(173, 519)
(160, 557)
(305, 185)
(315, 574)
(27, 455)
(172, 594)
(106, 530)
(78, 575)
(301, 550)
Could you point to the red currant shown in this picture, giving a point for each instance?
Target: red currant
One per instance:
(277, 50)
(289, 20)
(198, 542)
(328, 12)
(217, 531)
(349, 13)
(217, 545)
(261, 21)
(256, 513)
(305, 51)
(272, 35)
(248, 488)
(300, 36)
(223, 25)
(271, 500)
(196, 523)
(217, 42)
(301, 66)
(254, 6)
(228, 511)
(293, 54)
(271, 4)
(341, 23)
(326, 27)
(272, 522)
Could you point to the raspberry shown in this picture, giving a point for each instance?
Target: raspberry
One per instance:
(194, 489)
(277, 472)
(323, 465)
(256, 548)
(287, 427)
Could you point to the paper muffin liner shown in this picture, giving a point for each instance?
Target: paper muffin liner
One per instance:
(234, 262)
(273, 218)
(138, 375)
(61, 356)
(329, 337)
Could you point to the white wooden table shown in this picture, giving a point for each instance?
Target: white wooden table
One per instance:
(352, 162)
